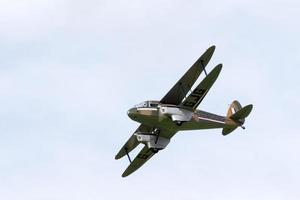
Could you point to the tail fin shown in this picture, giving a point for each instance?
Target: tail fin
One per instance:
(237, 114)
(233, 108)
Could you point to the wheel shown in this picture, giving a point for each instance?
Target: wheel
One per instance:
(178, 123)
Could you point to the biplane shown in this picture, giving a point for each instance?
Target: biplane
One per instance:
(177, 111)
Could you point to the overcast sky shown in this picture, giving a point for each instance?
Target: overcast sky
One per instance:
(70, 70)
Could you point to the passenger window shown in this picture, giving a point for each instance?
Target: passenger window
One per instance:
(153, 105)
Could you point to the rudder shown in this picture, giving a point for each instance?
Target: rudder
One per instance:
(233, 108)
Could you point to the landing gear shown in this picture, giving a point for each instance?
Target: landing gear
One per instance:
(178, 123)
(156, 132)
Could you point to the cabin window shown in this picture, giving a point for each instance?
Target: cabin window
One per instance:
(154, 105)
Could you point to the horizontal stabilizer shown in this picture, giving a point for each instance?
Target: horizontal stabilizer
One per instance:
(236, 115)
(228, 130)
(242, 114)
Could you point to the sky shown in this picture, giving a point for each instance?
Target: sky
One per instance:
(70, 70)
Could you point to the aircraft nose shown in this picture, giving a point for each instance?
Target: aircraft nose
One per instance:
(132, 112)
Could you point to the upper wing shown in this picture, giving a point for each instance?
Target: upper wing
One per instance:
(144, 155)
(132, 141)
(182, 87)
(195, 98)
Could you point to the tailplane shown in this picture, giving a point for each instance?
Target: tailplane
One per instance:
(236, 115)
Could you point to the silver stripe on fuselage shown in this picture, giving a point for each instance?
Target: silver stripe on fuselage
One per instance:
(212, 120)
(146, 109)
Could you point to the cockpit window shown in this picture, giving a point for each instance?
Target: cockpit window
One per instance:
(142, 105)
(154, 105)
(147, 104)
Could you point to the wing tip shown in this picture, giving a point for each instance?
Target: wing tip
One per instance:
(120, 155)
(213, 47)
(250, 106)
(217, 69)
(208, 53)
(127, 172)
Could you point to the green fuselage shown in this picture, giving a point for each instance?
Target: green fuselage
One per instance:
(152, 116)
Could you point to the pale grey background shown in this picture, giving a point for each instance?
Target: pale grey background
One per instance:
(70, 70)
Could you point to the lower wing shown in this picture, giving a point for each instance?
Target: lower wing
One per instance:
(153, 139)
(144, 155)
(132, 141)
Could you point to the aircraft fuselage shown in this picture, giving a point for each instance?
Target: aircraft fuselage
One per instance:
(172, 117)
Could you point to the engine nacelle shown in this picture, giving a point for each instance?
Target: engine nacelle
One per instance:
(177, 114)
(152, 141)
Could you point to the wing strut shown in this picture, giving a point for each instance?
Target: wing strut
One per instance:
(128, 155)
(203, 66)
(175, 96)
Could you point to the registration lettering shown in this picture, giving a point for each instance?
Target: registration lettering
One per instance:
(195, 97)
